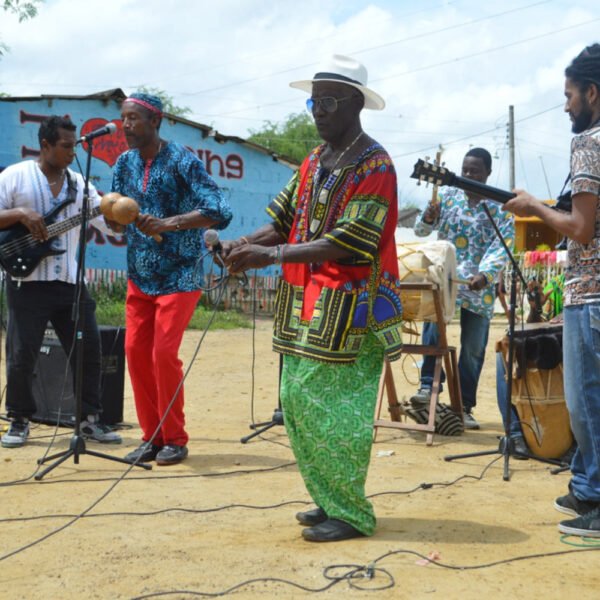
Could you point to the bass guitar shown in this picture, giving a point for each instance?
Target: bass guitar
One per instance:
(439, 175)
(20, 253)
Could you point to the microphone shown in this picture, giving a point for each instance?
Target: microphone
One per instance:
(211, 239)
(108, 129)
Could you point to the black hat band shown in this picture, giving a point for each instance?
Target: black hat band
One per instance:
(337, 77)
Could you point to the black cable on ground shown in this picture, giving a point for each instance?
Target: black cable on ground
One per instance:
(131, 466)
(422, 486)
(366, 574)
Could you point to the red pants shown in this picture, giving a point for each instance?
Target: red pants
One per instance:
(155, 326)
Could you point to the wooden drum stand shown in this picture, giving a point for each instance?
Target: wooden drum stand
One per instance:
(441, 352)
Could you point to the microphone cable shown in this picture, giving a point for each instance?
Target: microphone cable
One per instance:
(213, 278)
(124, 474)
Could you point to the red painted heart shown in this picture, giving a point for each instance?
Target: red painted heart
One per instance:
(108, 147)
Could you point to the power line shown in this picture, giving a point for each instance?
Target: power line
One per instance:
(487, 51)
(478, 134)
(369, 49)
(451, 27)
(442, 63)
(562, 153)
(269, 51)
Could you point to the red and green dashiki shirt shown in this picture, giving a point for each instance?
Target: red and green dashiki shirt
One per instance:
(324, 311)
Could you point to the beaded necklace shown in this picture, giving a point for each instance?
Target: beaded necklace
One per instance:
(320, 192)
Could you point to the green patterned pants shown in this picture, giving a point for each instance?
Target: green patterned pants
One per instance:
(328, 413)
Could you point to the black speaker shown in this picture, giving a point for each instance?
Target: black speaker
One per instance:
(53, 373)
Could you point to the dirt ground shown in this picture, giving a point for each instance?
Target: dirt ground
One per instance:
(226, 515)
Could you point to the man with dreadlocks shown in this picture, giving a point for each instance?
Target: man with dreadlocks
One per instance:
(177, 198)
(581, 337)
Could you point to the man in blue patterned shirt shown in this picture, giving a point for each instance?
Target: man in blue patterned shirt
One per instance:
(459, 217)
(177, 198)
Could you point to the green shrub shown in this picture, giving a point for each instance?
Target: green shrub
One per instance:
(110, 310)
(110, 303)
(223, 319)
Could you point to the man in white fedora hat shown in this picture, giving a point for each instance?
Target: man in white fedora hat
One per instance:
(343, 69)
(338, 311)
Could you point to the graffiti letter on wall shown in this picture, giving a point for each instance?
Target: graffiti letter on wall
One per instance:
(235, 166)
(97, 237)
(231, 168)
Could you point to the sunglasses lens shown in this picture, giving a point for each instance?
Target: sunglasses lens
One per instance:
(329, 104)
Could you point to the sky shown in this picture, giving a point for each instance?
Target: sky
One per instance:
(448, 70)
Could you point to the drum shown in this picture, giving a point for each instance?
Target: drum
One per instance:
(538, 390)
(430, 262)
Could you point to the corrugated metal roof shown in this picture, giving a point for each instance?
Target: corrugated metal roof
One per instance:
(118, 95)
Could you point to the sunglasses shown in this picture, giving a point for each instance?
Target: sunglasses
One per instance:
(329, 104)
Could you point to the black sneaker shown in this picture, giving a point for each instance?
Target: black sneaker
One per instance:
(573, 506)
(17, 434)
(518, 448)
(171, 454)
(145, 452)
(587, 525)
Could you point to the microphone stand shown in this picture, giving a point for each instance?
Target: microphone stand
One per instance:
(276, 419)
(77, 445)
(212, 240)
(506, 446)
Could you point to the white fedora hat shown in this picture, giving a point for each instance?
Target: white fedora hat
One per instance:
(343, 69)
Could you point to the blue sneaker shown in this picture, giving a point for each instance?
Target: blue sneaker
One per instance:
(93, 429)
(17, 434)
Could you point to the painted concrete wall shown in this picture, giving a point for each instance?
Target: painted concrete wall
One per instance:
(247, 177)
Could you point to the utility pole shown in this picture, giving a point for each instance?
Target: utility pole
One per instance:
(511, 146)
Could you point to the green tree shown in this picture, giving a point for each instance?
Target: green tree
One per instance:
(168, 105)
(294, 138)
(24, 10)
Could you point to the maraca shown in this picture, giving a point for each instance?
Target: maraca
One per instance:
(107, 202)
(123, 209)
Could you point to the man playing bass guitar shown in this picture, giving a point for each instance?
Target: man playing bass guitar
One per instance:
(29, 190)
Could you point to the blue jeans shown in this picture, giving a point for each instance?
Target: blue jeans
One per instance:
(503, 401)
(474, 331)
(581, 366)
